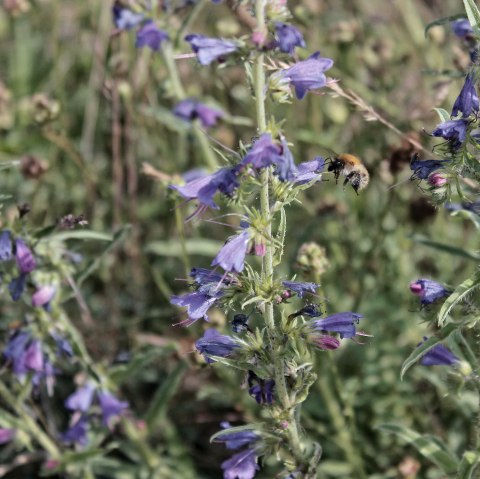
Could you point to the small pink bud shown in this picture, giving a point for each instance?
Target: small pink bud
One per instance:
(416, 288)
(43, 295)
(51, 464)
(284, 424)
(260, 249)
(437, 179)
(259, 38)
(286, 295)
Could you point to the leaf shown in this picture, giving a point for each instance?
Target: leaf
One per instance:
(463, 290)
(430, 447)
(446, 248)
(242, 365)
(473, 15)
(230, 430)
(86, 235)
(443, 114)
(468, 465)
(418, 352)
(443, 21)
(282, 230)
(164, 394)
(197, 246)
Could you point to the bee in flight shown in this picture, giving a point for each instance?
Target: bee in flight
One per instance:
(352, 168)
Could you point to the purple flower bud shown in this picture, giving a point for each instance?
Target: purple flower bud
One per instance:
(17, 344)
(423, 168)
(197, 304)
(215, 344)
(429, 291)
(309, 171)
(437, 180)
(6, 435)
(5, 246)
(77, 433)
(308, 74)
(25, 261)
(241, 466)
(33, 359)
(461, 28)
(17, 286)
(262, 391)
(324, 342)
(63, 345)
(341, 323)
(232, 255)
(301, 288)
(125, 19)
(236, 440)
(210, 49)
(111, 407)
(467, 101)
(288, 38)
(151, 36)
(43, 296)
(190, 109)
(439, 355)
(81, 399)
(454, 131)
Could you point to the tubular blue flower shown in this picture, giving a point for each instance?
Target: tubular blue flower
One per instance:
(285, 166)
(429, 291)
(63, 345)
(17, 286)
(307, 75)
(236, 440)
(263, 153)
(300, 288)
(309, 171)
(439, 355)
(43, 296)
(25, 261)
(151, 36)
(241, 466)
(467, 101)
(77, 433)
(190, 109)
(215, 344)
(210, 49)
(204, 276)
(288, 38)
(461, 28)
(454, 131)
(5, 246)
(124, 18)
(16, 345)
(6, 435)
(232, 255)
(81, 399)
(197, 303)
(341, 323)
(262, 391)
(423, 168)
(111, 407)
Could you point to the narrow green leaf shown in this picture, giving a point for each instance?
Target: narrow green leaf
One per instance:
(461, 292)
(453, 250)
(418, 352)
(197, 246)
(468, 465)
(473, 14)
(443, 21)
(429, 447)
(164, 394)
(84, 235)
(443, 114)
(230, 430)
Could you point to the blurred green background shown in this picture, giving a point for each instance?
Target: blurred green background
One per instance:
(114, 104)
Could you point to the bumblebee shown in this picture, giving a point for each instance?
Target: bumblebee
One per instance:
(352, 168)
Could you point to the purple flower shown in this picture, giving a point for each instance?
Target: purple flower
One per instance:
(263, 153)
(288, 38)
(204, 276)
(232, 255)
(6, 435)
(308, 74)
(236, 440)
(204, 189)
(190, 109)
(111, 407)
(461, 28)
(63, 345)
(454, 131)
(309, 171)
(423, 168)
(260, 389)
(324, 341)
(285, 166)
(241, 466)
(33, 357)
(429, 291)
(77, 433)
(81, 399)
(43, 296)
(125, 19)
(16, 346)
(25, 261)
(300, 288)
(467, 101)
(341, 323)
(150, 36)
(439, 355)
(197, 304)
(210, 49)
(311, 310)
(215, 344)
(17, 286)
(5, 246)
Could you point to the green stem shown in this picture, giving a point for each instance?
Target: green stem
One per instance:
(268, 272)
(180, 94)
